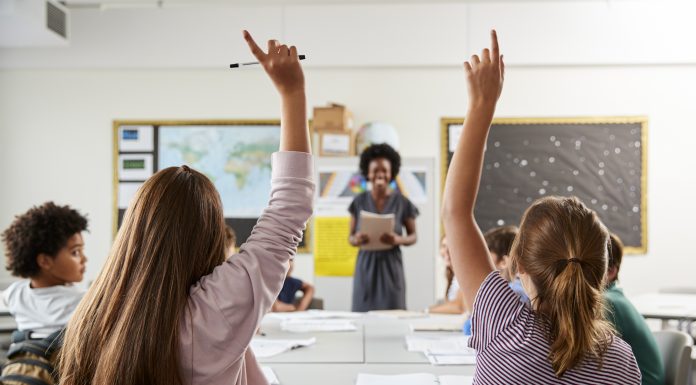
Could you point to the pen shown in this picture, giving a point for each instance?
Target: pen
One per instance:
(237, 65)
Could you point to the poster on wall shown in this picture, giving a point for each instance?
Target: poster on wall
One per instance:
(602, 161)
(234, 155)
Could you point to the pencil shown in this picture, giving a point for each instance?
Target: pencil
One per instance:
(237, 65)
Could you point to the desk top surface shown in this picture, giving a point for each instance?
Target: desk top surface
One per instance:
(378, 346)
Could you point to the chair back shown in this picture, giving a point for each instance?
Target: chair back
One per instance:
(675, 348)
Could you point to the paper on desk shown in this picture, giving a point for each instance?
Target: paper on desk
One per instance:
(456, 380)
(376, 225)
(315, 314)
(312, 325)
(451, 359)
(437, 326)
(397, 379)
(266, 347)
(438, 344)
(397, 314)
(270, 375)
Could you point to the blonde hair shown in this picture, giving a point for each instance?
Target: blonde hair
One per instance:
(562, 246)
(126, 329)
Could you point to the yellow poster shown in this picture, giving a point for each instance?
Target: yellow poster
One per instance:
(333, 255)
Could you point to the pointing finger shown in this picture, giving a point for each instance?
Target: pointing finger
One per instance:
(255, 49)
(494, 45)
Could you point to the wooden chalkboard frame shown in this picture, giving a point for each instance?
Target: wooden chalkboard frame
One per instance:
(561, 121)
(157, 123)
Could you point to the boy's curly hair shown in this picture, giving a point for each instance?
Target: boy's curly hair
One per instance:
(43, 229)
(377, 151)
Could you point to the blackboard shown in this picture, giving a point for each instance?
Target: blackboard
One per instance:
(602, 161)
(234, 155)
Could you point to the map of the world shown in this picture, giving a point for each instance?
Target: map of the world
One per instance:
(237, 159)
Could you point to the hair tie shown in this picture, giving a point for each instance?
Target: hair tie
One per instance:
(576, 260)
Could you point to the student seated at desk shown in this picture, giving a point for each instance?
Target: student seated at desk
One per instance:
(169, 307)
(499, 241)
(454, 298)
(629, 324)
(286, 301)
(45, 246)
(561, 257)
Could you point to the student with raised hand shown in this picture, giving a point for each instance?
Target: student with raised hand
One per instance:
(168, 306)
(560, 255)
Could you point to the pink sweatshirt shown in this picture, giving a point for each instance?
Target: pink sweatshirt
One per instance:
(226, 307)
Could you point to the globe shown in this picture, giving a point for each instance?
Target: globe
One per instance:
(376, 133)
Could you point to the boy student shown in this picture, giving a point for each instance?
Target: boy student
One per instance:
(45, 246)
(499, 241)
(629, 323)
(286, 298)
(560, 253)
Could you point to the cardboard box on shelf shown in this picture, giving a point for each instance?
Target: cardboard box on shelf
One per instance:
(335, 117)
(336, 143)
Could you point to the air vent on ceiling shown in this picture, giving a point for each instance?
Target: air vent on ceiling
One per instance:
(33, 23)
(56, 19)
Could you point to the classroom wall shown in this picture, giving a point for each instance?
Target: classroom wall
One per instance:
(56, 143)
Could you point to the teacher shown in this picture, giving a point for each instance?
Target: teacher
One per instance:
(378, 282)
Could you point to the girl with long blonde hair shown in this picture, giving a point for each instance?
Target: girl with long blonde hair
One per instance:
(560, 255)
(168, 307)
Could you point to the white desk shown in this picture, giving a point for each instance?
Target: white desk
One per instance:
(680, 307)
(378, 346)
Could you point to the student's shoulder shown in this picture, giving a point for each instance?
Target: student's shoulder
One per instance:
(14, 291)
(16, 288)
(619, 356)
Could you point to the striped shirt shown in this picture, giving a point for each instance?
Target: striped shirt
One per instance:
(512, 347)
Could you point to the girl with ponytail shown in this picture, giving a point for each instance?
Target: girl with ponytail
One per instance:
(560, 255)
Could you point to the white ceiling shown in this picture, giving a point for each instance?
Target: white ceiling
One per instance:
(165, 3)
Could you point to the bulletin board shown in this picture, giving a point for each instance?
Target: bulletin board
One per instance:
(602, 161)
(234, 154)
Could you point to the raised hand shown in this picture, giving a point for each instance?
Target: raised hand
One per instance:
(281, 63)
(283, 67)
(485, 75)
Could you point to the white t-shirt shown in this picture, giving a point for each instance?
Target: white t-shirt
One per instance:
(453, 289)
(43, 310)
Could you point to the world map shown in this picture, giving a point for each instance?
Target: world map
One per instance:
(237, 159)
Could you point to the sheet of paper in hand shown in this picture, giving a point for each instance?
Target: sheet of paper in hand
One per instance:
(375, 225)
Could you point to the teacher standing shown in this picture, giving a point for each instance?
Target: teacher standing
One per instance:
(379, 282)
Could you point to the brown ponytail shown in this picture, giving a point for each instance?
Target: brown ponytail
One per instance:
(562, 247)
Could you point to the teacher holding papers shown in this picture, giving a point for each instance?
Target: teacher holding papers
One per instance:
(378, 218)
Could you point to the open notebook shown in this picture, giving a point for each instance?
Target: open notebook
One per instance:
(412, 379)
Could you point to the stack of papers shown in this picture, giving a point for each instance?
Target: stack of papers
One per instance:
(376, 225)
(266, 347)
(397, 314)
(270, 375)
(443, 350)
(317, 325)
(412, 379)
